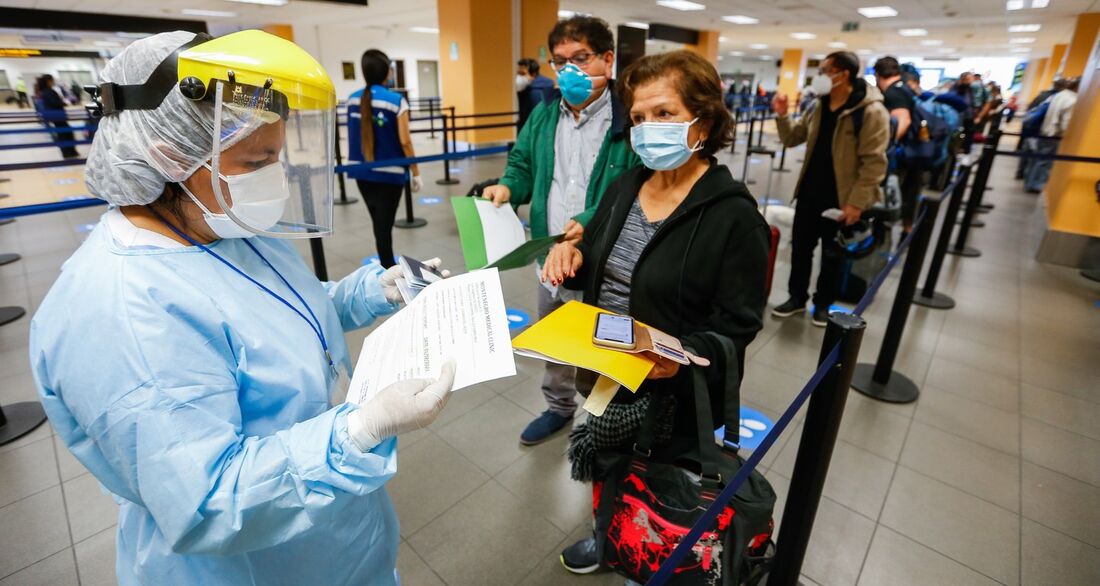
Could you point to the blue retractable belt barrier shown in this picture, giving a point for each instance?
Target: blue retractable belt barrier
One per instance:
(41, 164)
(48, 130)
(45, 208)
(425, 159)
(40, 145)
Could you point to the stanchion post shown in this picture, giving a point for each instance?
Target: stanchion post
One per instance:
(344, 200)
(446, 180)
(410, 220)
(815, 448)
(878, 380)
(927, 296)
(760, 136)
(980, 178)
(782, 161)
(736, 121)
(995, 139)
(752, 127)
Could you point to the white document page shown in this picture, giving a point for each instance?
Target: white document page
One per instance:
(502, 228)
(462, 317)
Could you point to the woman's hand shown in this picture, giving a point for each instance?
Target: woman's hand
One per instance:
(663, 368)
(561, 263)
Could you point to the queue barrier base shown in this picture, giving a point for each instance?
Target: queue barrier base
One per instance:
(966, 251)
(8, 258)
(344, 202)
(446, 181)
(1092, 275)
(936, 301)
(19, 419)
(10, 314)
(6, 221)
(974, 223)
(413, 223)
(897, 389)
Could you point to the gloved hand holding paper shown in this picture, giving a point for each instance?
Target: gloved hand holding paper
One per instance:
(494, 237)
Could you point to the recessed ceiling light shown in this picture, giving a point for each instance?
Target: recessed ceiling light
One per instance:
(803, 36)
(641, 25)
(566, 14)
(819, 56)
(931, 42)
(210, 13)
(758, 46)
(431, 30)
(837, 44)
(1024, 28)
(737, 53)
(723, 39)
(1039, 3)
(1020, 50)
(1021, 40)
(263, 2)
(681, 5)
(740, 19)
(878, 11)
(1014, 4)
(913, 32)
(766, 57)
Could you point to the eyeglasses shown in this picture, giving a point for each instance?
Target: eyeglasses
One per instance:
(580, 60)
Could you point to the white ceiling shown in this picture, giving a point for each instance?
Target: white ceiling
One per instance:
(972, 27)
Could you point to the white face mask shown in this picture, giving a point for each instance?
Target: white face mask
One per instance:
(522, 82)
(822, 84)
(259, 199)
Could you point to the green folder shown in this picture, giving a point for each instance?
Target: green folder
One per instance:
(472, 236)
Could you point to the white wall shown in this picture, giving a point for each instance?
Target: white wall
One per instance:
(765, 71)
(32, 67)
(332, 45)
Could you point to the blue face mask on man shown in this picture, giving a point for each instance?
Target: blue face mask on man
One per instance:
(575, 84)
(663, 146)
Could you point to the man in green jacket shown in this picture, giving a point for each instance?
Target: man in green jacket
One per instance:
(567, 154)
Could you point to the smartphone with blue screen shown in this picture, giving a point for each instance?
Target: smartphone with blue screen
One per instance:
(614, 331)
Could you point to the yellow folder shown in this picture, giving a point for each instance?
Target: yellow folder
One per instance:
(565, 336)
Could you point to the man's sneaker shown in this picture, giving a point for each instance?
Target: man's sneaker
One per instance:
(543, 427)
(580, 558)
(821, 316)
(789, 308)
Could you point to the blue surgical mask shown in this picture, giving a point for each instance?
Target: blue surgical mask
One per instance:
(663, 146)
(575, 84)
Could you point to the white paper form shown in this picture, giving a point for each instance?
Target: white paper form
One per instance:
(462, 317)
(502, 228)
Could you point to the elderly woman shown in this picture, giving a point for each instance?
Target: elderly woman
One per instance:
(188, 357)
(676, 244)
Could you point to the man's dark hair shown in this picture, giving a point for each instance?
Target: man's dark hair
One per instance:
(583, 29)
(887, 67)
(908, 77)
(845, 61)
(531, 65)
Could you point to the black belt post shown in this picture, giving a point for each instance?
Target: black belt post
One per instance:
(878, 380)
(815, 448)
(410, 221)
(344, 199)
(927, 296)
(736, 121)
(782, 161)
(760, 136)
(981, 177)
(752, 127)
(446, 180)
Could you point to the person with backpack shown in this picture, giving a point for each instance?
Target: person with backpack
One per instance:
(1032, 123)
(900, 103)
(1059, 110)
(846, 138)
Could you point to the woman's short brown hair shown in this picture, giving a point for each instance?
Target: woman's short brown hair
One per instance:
(697, 82)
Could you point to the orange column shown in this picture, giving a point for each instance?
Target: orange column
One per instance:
(1071, 191)
(707, 46)
(475, 58)
(280, 30)
(790, 73)
(1036, 85)
(1053, 66)
(1084, 36)
(537, 17)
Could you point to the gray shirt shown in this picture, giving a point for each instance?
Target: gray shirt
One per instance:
(636, 233)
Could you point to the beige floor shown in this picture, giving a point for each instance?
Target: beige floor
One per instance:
(993, 476)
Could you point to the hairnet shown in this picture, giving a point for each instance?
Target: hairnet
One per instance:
(137, 152)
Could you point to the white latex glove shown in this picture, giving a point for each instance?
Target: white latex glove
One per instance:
(404, 406)
(389, 278)
(417, 183)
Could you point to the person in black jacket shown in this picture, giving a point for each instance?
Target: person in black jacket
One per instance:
(53, 109)
(678, 245)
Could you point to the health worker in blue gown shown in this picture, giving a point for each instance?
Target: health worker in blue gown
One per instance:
(187, 356)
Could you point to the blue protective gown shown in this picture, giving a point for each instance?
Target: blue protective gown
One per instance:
(202, 403)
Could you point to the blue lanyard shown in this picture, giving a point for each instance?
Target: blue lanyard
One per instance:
(314, 323)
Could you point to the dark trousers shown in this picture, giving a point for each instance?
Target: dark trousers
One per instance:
(910, 179)
(66, 151)
(382, 200)
(809, 227)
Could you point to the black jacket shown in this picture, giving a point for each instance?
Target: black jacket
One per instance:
(704, 270)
